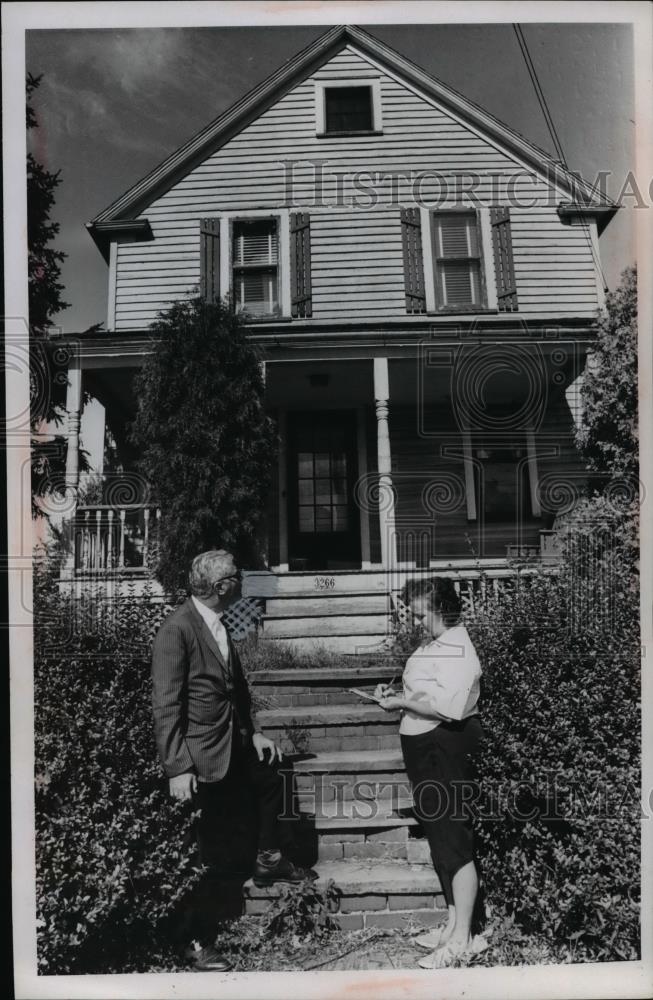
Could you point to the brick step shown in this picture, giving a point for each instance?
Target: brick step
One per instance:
(316, 728)
(350, 645)
(393, 842)
(302, 605)
(298, 687)
(353, 624)
(363, 776)
(371, 894)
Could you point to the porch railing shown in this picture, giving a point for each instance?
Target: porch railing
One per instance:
(114, 538)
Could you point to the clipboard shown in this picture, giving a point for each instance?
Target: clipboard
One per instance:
(364, 694)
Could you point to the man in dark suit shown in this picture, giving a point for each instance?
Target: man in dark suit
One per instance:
(206, 738)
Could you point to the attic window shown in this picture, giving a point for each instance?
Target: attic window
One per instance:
(348, 109)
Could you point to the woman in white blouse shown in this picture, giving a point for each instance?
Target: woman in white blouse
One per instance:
(440, 737)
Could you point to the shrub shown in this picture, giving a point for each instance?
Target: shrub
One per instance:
(114, 854)
(559, 816)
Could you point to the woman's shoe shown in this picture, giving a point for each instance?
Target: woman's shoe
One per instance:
(448, 954)
(431, 940)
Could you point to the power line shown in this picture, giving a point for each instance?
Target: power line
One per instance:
(548, 118)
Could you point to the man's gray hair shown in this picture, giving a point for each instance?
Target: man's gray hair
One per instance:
(207, 569)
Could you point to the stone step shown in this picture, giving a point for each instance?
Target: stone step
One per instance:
(382, 893)
(351, 645)
(317, 728)
(313, 626)
(303, 605)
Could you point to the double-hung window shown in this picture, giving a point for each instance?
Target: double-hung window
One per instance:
(457, 260)
(255, 266)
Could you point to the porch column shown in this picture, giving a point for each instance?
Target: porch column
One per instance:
(386, 493)
(73, 421)
(283, 496)
(73, 409)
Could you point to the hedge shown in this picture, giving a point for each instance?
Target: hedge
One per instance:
(115, 855)
(559, 817)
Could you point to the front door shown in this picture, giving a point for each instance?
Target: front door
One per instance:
(324, 522)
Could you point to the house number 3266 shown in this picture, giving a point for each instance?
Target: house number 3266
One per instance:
(325, 582)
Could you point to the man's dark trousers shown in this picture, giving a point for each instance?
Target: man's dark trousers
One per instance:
(238, 815)
(252, 789)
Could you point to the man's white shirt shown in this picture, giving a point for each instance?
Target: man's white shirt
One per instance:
(214, 623)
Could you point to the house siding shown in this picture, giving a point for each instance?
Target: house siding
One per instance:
(357, 262)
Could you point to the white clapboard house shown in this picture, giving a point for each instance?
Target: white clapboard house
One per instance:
(425, 284)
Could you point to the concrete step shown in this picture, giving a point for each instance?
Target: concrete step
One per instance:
(351, 645)
(353, 624)
(302, 605)
(314, 729)
(370, 894)
(345, 761)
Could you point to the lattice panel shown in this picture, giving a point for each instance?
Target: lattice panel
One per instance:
(243, 617)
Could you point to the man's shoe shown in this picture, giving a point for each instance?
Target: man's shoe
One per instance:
(207, 959)
(282, 871)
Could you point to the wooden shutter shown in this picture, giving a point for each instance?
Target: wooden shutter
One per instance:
(411, 234)
(300, 264)
(504, 269)
(210, 259)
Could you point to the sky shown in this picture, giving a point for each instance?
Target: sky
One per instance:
(113, 104)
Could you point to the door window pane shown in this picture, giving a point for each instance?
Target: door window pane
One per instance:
(306, 491)
(340, 519)
(322, 465)
(323, 519)
(305, 464)
(306, 519)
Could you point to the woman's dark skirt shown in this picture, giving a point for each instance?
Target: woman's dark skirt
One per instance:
(441, 765)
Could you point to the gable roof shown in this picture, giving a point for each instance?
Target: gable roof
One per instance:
(583, 197)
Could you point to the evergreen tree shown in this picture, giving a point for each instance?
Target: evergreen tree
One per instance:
(205, 441)
(607, 436)
(47, 387)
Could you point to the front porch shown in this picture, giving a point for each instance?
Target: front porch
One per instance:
(391, 464)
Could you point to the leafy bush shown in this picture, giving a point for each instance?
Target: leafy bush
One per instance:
(559, 815)
(115, 855)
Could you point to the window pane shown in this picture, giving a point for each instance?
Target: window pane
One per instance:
(340, 518)
(322, 467)
(255, 242)
(305, 464)
(457, 235)
(323, 519)
(306, 519)
(460, 283)
(339, 465)
(256, 291)
(323, 490)
(348, 109)
(306, 491)
(339, 490)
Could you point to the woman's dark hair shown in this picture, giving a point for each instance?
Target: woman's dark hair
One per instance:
(440, 594)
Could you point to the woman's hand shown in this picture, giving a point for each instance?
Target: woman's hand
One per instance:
(390, 703)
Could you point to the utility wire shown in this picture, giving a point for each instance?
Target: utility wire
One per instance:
(539, 93)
